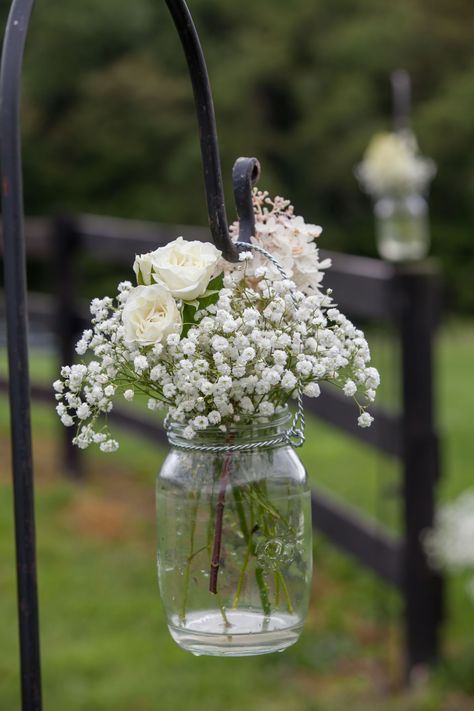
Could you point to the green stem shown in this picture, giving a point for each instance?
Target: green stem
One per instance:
(263, 587)
(289, 606)
(277, 590)
(222, 610)
(242, 574)
(237, 494)
(187, 572)
(267, 506)
(269, 528)
(248, 533)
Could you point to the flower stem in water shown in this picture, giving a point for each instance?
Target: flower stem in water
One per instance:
(184, 600)
(242, 574)
(216, 549)
(289, 606)
(263, 587)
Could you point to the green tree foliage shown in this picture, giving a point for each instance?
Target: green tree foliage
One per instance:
(109, 121)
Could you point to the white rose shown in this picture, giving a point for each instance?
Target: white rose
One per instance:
(186, 268)
(150, 313)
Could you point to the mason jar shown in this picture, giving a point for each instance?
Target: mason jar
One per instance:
(402, 227)
(234, 539)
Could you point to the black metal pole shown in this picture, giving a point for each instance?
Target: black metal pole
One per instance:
(246, 170)
(16, 311)
(401, 92)
(207, 127)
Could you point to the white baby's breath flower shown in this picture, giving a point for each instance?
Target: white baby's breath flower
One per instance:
(169, 390)
(110, 445)
(312, 390)
(140, 363)
(172, 340)
(350, 388)
(83, 411)
(245, 256)
(188, 348)
(365, 420)
(266, 408)
(288, 382)
(200, 422)
(219, 343)
(188, 432)
(81, 347)
(214, 417)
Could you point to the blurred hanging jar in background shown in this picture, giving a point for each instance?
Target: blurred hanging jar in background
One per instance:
(397, 177)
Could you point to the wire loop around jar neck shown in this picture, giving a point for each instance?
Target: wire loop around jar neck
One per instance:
(294, 436)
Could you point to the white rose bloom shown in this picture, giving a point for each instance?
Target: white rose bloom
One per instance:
(150, 313)
(186, 268)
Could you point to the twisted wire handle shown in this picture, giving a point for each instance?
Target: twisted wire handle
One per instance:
(294, 436)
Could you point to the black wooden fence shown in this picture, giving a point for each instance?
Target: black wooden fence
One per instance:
(405, 296)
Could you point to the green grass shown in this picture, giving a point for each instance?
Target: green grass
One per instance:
(104, 639)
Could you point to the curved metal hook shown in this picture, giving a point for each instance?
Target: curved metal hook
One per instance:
(207, 128)
(245, 173)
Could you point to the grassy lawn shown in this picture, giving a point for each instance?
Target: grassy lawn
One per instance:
(104, 640)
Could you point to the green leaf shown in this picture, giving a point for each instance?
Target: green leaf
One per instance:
(188, 311)
(217, 283)
(211, 294)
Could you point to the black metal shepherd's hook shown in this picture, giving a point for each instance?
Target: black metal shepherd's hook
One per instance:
(245, 173)
(401, 97)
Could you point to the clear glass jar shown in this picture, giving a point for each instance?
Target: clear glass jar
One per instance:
(234, 542)
(402, 227)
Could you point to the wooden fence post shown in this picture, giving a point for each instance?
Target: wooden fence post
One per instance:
(419, 301)
(66, 245)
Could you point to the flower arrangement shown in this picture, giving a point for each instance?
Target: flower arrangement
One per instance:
(212, 343)
(392, 165)
(450, 544)
(221, 348)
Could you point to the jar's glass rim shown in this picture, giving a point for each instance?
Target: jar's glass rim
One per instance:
(256, 427)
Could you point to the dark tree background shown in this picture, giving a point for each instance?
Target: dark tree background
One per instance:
(109, 123)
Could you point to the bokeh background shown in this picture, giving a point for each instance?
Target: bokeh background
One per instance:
(109, 128)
